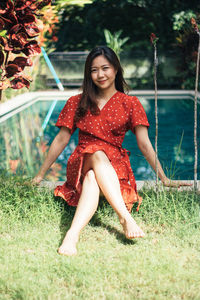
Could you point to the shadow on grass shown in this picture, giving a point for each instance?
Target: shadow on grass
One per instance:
(96, 221)
(66, 217)
(104, 209)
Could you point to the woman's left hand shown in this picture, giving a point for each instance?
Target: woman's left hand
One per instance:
(175, 183)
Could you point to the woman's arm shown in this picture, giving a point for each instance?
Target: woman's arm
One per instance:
(59, 143)
(147, 150)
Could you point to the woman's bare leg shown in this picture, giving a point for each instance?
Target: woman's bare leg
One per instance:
(86, 208)
(109, 184)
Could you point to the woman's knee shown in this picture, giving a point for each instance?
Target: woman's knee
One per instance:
(90, 175)
(90, 160)
(90, 179)
(99, 156)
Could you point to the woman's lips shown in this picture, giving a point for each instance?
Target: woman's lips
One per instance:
(102, 81)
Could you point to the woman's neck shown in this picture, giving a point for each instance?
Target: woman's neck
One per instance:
(106, 94)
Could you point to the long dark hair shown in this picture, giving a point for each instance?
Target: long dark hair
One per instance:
(89, 93)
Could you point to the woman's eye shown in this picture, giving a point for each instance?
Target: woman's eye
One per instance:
(105, 68)
(94, 70)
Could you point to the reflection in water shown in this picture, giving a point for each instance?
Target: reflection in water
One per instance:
(175, 140)
(23, 148)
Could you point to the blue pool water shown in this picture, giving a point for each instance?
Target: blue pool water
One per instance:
(24, 145)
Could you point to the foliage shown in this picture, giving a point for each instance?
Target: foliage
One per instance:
(64, 3)
(181, 19)
(114, 41)
(53, 15)
(186, 47)
(48, 35)
(82, 28)
(19, 26)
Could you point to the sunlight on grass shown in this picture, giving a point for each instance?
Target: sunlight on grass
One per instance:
(163, 265)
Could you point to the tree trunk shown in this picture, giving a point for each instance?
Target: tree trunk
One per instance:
(195, 118)
(156, 114)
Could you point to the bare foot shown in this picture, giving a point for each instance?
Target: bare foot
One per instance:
(68, 246)
(131, 229)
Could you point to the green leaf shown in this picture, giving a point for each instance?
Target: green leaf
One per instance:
(64, 3)
(113, 40)
(3, 33)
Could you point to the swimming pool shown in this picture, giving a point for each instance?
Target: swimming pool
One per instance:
(23, 144)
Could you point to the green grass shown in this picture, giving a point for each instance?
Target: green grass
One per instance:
(163, 265)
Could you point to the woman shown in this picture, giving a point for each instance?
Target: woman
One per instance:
(103, 114)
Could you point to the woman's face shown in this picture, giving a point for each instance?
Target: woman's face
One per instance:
(103, 73)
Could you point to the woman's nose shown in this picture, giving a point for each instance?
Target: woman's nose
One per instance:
(100, 73)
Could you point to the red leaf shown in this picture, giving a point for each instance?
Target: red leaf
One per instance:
(19, 83)
(25, 76)
(14, 51)
(22, 13)
(13, 165)
(31, 4)
(18, 40)
(11, 20)
(193, 21)
(22, 37)
(21, 62)
(4, 84)
(194, 24)
(31, 29)
(20, 5)
(54, 38)
(2, 24)
(31, 49)
(6, 6)
(3, 7)
(153, 38)
(43, 3)
(11, 70)
(28, 19)
(44, 147)
(1, 58)
(16, 28)
(4, 43)
(29, 62)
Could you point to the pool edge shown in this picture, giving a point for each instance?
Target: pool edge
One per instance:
(147, 184)
(22, 99)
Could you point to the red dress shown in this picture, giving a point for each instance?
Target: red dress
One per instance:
(105, 132)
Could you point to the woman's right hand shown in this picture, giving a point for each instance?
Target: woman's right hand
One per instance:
(37, 179)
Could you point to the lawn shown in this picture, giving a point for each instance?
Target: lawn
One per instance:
(163, 265)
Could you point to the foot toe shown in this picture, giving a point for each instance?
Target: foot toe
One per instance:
(66, 252)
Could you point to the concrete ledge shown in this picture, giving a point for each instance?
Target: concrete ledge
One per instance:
(148, 184)
(25, 98)
(29, 97)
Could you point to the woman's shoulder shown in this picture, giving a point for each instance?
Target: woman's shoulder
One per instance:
(73, 100)
(128, 99)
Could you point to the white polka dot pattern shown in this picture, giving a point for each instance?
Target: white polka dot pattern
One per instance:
(105, 132)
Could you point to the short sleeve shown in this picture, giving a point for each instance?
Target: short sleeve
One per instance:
(137, 114)
(66, 117)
